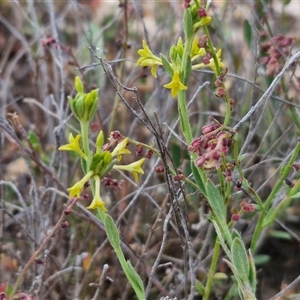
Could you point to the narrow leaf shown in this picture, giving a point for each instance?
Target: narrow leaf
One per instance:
(112, 232)
(240, 259)
(167, 66)
(252, 272)
(198, 179)
(187, 23)
(136, 279)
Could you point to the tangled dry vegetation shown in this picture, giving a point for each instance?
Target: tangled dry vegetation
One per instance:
(43, 46)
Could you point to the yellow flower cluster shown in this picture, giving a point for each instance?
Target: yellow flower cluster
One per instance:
(150, 60)
(135, 168)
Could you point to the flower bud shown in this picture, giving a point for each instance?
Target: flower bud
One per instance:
(100, 141)
(78, 85)
(102, 163)
(83, 105)
(97, 163)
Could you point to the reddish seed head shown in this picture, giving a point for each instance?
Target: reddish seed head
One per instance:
(48, 41)
(178, 177)
(239, 184)
(251, 208)
(235, 217)
(159, 169)
(95, 126)
(296, 166)
(139, 150)
(115, 135)
(289, 183)
(149, 154)
(67, 211)
(203, 41)
(39, 261)
(206, 59)
(64, 224)
(220, 92)
(202, 13)
(208, 128)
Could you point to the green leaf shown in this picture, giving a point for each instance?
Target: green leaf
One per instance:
(248, 33)
(252, 272)
(282, 235)
(83, 165)
(240, 259)
(217, 205)
(261, 259)
(187, 70)
(34, 140)
(245, 183)
(269, 218)
(216, 201)
(187, 23)
(198, 179)
(200, 288)
(112, 232)
(221, 239)
(297, 195)
(242, 157)
(220, 276)
(135, 279)
(167, 66)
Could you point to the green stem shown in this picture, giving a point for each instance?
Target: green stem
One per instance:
(212, 270)
(114, 239)
(285, 170)
(183, 115)
(84, 125)
(218, 73)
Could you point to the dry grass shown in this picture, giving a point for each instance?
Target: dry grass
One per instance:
(35, 120)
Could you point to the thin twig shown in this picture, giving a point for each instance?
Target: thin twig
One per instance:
(268, 92)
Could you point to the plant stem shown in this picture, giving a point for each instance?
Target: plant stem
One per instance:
(218, 73)
(84, 125)
(212, 269)
(285, 170)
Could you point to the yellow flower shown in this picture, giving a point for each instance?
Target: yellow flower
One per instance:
(97, 201)
(76, 189)
(211, 63)
(175, 85)
(73, 145)
(148, 59)
(135, 168)
(121, 149)
(203, 22)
